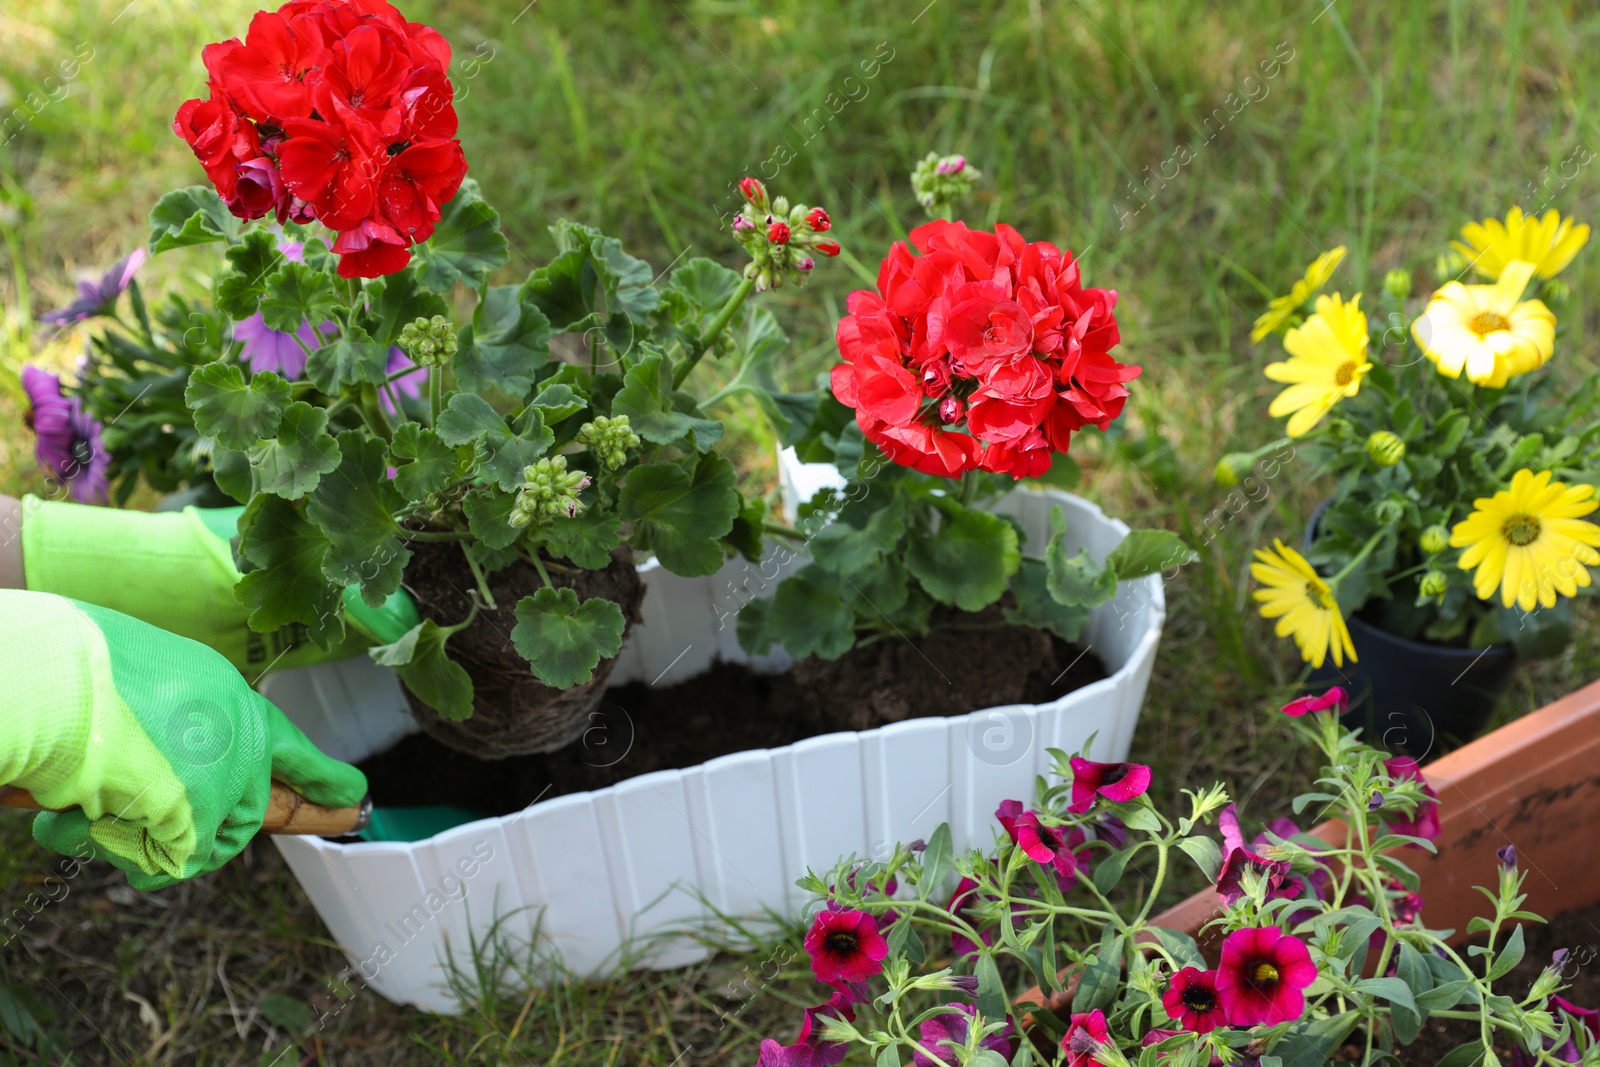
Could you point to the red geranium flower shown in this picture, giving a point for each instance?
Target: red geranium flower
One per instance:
(1085, 1037)
(1119, 782)
(1192, 1000)
(1424, 821)
(1333, 698)
(845, 946)
(1260, 976)
(1005, 327)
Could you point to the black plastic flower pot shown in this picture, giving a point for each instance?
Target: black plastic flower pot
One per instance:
(1413, 696)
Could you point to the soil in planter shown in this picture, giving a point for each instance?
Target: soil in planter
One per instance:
(638, 729)
(1575, 930)
(514, 712)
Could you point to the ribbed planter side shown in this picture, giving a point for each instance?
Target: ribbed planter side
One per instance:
(630, 863)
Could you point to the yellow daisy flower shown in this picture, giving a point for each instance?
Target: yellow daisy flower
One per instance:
(1302, 603)
(1530, 541)
(1328, 359)
(1487, 330)
(1282, 307)
(1549, 243)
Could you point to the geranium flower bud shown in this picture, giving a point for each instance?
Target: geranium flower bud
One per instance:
(742, 224)
(951, 410)
(1385, 448)
(951, 165)
(828, 248)
(754, 191)
(429, 341)
(806, 264)
(778, 233)
(611, 438)
(941, 182)
(1397, 283)
(1435, 539)
(1433, 585)
(818, 220)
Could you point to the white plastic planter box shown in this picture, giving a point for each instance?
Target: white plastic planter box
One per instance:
(595, 870)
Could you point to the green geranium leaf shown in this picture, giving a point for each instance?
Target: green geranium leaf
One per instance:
(466, 245)
(627, 280)
(746, 537)
(845, 549)
(292, 463)
(287, 585)
(807, 615)
(489, 516)
(297, 294)
(501, 455)
(506, 343)
(587, 539)
(563, 290)
(250, 262)
(353, 358)
(354, 507)
(420, 659)
(969, 561)
(194, 215)
(397, 299)
(559, 401)
(467, 419)
(563, 640)
(235, 412)
(646, 401)
(706, 284)
(433, 463)
(1076, 581)
(682, 512)
(1145, 552)
(1038, 609)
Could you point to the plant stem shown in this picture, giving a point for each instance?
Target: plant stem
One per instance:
(539, 566)
(969, 488)
(1355, 561)
(478, 576)
(438, 535)
(435, 395)
(713, 330)
(784, 531)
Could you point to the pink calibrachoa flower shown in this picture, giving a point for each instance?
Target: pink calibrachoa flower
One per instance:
(1424, 822)
(1261, 975)
(1333, 698)
(953, 1027)
(845, 946)
(1238, 858)
(1007, 815)
(1192, 1000)
(1119, 782)
(1085, 1037)
(809, 1050)
(1058, 847)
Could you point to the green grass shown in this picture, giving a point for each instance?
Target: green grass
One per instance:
(1388, 127)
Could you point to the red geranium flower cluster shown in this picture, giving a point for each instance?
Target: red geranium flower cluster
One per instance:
(337, 111)
(984, 352)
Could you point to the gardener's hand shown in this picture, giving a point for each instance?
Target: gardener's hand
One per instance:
(174, 570)
(163, 749)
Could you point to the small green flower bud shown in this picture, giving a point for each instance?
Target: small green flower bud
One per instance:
(1435, 539)
(1387, 511)
(1433, 585)
(428, 342)
(1397, 283)
(1232, 468)
(1548, 982)
(1385, 448)
(941, 182)
(1556, 292)
(549, 492)
(1449, 266)
(611, 438)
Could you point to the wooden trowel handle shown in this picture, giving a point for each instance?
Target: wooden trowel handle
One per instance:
(287, 812)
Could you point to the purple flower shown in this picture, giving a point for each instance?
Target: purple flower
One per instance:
(1508, 857)
(1424, 821)
(409, 385)
(1117, 782)
(268, 349)
(953, 1028)
(49, 416)
(810, 1050)
(1237, 858)
(1588, 1018)
(97, 297)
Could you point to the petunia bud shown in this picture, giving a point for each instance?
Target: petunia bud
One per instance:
(1375, 802)
(778, 233)
(828, 248)
(754, 191)
(1433, 585)
(1385, 448)
(1435, 539)
(1508, 857)
(818, 220)
(1397, 283)
(1232, 468)
(1549, 979)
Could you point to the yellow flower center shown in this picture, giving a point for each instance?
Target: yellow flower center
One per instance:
(1521, 529)
(1320, 595)
(1346, 371)
(1264, 973)
(1486, 322)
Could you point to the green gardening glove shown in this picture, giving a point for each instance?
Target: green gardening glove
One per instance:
(175, 570)
(163, 751)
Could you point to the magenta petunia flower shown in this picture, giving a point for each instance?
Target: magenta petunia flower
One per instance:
(1087, 1035)
(266, 349)
(951, 1029)
(85, 470)
(1192, 1000)
(1119, 782)
(1333, 698)
(1424, 821)
(1237, 858)
(407, 385)
(1060, 847)
(845, 946)
(49, 416)
(1261, 975)
(810, 1050)
(96, 297)
(1294, 885)
(1007, 815)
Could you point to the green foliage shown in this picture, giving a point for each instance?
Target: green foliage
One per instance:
(564, 640)
(420, 659)
(466, 245)
(236, 412)
(194, 215)
(682, 511)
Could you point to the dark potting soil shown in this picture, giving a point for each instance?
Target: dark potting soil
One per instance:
(1578, 931)
(638, 729)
